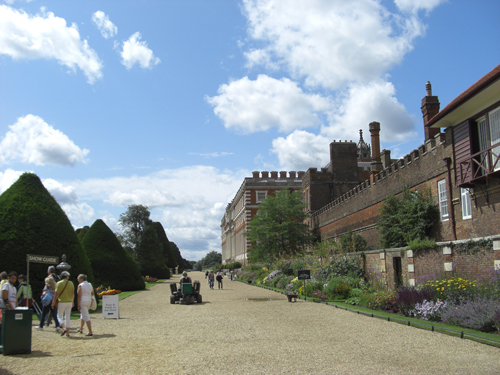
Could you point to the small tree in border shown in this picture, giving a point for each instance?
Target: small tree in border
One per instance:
(278, 230)
(408, 218)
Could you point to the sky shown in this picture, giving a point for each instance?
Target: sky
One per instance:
(171, 104)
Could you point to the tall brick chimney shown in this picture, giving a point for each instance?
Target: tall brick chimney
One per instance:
(376, 165)
(430, 108)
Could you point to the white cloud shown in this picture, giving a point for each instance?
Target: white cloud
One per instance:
(413, 6)
(32, 140)
(329, 43)
(360, 105)
(251, 106)
(191, 215)
(363, 104)
(105, 26)
(302, 150)
(45, 36)
(67, 198)
(7, 178)
(136, 52)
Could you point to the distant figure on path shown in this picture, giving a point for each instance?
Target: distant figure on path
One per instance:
(219, 278)
(211, 279)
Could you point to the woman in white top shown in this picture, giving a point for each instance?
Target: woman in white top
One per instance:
(85, 291)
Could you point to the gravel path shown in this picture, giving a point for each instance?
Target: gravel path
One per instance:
(246, 330)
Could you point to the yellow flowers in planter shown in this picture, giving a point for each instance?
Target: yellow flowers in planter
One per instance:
(102, 291)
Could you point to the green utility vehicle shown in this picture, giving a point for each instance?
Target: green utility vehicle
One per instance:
(187, 293)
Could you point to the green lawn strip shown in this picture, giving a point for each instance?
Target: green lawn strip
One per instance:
(482, 337)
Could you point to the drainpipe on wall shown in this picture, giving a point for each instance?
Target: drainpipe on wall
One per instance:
(450, 201)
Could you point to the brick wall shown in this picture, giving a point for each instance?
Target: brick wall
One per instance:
(439, 263)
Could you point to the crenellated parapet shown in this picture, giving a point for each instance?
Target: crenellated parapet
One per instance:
(426, 160)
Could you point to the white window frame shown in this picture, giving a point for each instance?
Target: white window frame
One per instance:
(443, 200)
(257, 192)
(466, 204)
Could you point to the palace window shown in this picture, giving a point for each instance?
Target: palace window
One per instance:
(261, 195)
(443, 200)
(488, 129)
(466, 206)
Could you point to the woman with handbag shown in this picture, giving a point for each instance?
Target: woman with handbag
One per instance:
(63, 299)
(85, 294)
(47, 296)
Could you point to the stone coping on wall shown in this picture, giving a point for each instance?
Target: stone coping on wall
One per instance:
(448, 243)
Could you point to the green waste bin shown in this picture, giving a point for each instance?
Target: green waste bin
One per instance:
(16, 332)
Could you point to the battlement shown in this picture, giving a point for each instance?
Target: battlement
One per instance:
(274, 175)
(386, 176)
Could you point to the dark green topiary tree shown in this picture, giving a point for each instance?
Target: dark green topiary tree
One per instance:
(111, 264)
(181, 262)
(31, 222)
(168, 254)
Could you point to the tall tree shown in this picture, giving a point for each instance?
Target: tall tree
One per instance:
(211, 259)
(278, 230)
(141, 241)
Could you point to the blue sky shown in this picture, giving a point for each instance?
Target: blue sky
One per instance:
(170, 104)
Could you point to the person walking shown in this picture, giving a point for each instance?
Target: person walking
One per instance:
(211, 279)
(24, 295)
(64, 299)
(50, 287)
(51, 271)
(9, 292)
(219, 278)
(85, 292)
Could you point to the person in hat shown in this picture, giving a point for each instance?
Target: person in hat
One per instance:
(184, 279)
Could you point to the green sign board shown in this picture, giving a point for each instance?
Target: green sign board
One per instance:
(47, 259)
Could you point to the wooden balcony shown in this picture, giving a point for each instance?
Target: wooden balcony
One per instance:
(479, 167)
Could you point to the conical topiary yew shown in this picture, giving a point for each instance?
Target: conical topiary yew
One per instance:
(32, 222)
(111, 264)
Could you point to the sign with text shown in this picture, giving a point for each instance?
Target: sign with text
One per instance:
(47, 259)
(304, 275)
(110, 308)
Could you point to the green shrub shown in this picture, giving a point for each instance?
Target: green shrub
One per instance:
(342, 265)
(284, 281)
(420, 244)
(111, 264)
(337, 288)
(32, 222)
(381, 300)
(351, 242)
(285, 266)
(355, 292)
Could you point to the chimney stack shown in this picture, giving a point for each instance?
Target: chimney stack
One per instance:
(376, 165)
(430, 108)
